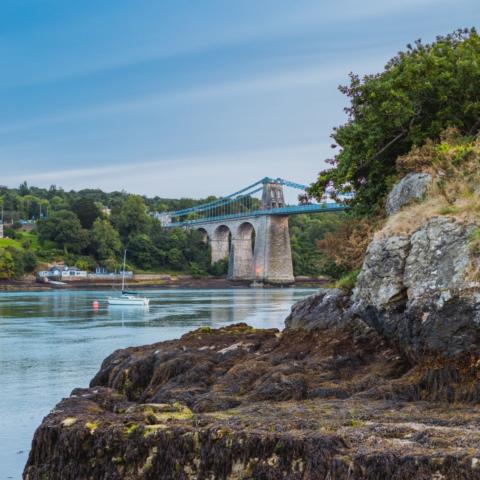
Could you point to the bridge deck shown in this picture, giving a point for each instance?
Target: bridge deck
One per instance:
(288, 210)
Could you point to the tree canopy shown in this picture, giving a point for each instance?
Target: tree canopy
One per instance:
(64, 229)
(420, 93)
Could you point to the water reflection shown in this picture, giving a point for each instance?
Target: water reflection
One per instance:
(51, 342)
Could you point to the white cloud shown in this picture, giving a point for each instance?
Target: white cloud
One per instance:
(190, 176)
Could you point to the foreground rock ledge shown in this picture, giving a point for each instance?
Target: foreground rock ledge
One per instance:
(239, 403)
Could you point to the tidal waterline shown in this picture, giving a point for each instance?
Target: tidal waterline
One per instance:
(52, 342)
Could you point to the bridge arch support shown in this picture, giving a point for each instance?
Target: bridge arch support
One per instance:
(267, 259)
(241, 255)
(204, 234)
(220, 239)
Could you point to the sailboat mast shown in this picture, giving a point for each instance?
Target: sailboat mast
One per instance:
(123, 272)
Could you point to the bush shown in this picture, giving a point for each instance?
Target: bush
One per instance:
(7, 264)
(346, 246)
(220, 268)
(196, 270)
(348, 281)
(29, 261)
(86, 263)
(10, 233)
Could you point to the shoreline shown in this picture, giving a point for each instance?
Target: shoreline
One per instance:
(31, 285)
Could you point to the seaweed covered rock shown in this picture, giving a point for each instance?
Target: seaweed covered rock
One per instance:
(328, 308)
(239, 403)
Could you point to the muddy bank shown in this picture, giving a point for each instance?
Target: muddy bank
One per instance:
(30, 284)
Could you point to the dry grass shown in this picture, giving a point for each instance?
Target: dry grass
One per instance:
(454, 164)
(411, 218)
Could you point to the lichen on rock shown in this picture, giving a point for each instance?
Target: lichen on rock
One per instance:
(410, 188)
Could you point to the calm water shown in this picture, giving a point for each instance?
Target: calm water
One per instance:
(51, 342)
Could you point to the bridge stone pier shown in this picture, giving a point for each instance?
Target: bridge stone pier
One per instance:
(258, 248)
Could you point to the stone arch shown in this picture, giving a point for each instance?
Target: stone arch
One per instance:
(241, 257)
(220, 242)
(246, 232)
(204, 234)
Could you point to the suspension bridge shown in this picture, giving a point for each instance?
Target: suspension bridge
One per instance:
(251, 232)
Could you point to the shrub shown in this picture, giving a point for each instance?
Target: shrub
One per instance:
(220, 268)
(348, 281)
(196, 270)
(347, 244)
(10, 233)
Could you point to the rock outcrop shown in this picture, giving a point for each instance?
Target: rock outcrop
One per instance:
(416, 291)
(230, 403)
(328, 308)
(412, 187)
(238, 403)
(380, 384)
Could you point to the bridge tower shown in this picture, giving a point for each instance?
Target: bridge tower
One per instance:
(272, 258)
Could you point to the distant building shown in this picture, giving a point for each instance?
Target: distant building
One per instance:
(1, 230)
(103, 273)
(62, 272)
(106, 211)
(164, 218)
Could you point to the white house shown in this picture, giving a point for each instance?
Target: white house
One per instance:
(63, 272)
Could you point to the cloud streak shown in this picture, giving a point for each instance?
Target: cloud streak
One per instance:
(282, 80)
(191, 175)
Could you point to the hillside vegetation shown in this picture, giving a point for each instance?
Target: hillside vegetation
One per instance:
(422, 114)
(91, 228)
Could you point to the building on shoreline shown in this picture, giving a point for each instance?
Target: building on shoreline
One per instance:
(64, 273)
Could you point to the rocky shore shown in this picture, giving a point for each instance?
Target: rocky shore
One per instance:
(380, 383)
(240, 403)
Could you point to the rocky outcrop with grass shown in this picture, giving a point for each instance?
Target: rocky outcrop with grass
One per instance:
(416, 291)
(410, 188)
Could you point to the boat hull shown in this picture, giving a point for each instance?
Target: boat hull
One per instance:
(129, 302)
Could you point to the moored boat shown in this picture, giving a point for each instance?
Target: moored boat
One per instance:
(128, 298)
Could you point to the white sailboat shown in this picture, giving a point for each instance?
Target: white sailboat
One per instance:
(128, 299)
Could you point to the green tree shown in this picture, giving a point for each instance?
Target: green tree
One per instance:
(58, 203)
(104, 240)
(132, 218)
(29, 261)
(30, 206)
(7, 264)
(64, 229)
(305, 231)
(23, 189)
(422, 91)
(86, 210)
(142, 251)
(219, 268)
(175, 258)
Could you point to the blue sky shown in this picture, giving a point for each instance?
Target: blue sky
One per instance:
(189, 97)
